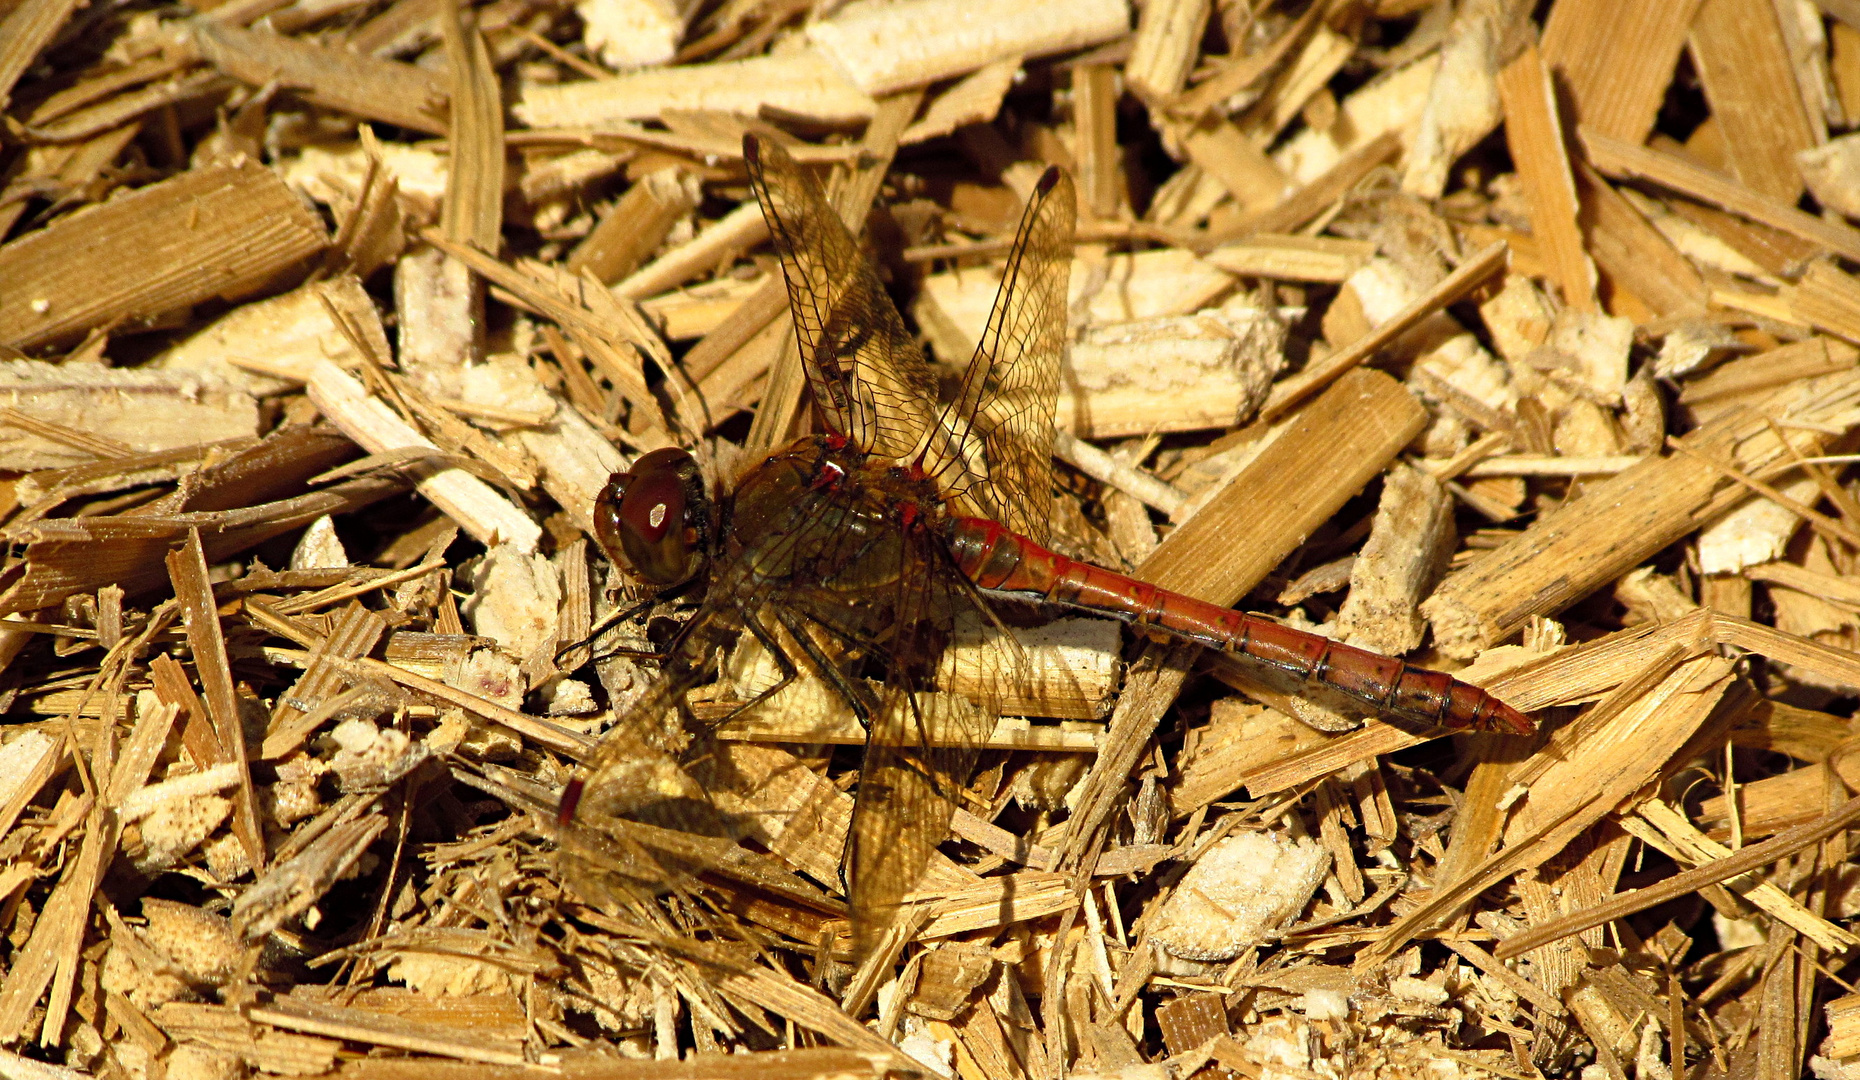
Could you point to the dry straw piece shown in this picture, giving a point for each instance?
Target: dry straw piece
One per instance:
(1514, 340)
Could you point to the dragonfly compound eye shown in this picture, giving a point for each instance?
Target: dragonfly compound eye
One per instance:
(654, 518)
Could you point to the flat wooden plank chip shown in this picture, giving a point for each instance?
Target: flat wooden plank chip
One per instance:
(205, 234)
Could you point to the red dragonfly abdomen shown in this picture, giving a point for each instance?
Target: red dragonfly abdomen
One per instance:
(995, 558)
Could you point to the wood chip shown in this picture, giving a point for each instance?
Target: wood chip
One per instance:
(889, 47)
(1535, 134)
(798, 84)
(1614, 156)
(1617, 59)
(1164, 49)
(1748, 76)
(385, 90)
(212, 232)
(1645, 508)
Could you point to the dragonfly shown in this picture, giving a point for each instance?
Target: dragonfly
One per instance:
(856, 551)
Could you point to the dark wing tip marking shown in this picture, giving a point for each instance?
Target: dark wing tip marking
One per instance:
(1048, 179)
(571, 798)
(752, 149)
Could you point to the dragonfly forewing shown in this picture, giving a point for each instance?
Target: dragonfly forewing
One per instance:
(867, 374)
(1003, 412)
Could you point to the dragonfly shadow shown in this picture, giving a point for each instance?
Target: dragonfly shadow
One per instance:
(675, 844)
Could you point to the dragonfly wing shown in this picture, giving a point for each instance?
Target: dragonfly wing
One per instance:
(634, 772)
(626, 781)
(1004, 410)
(920, 750)
(866, 371)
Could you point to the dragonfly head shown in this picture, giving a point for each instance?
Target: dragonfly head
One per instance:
(654, 519)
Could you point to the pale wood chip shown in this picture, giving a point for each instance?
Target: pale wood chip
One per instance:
(1230, 157)
(293, 884)
(288, 333)
(1675, 835)
(799, 84)
(973, 99)
(1827, 299)
(475, 505)
(26, 30)
(1637, 512)
(1534, 131)
(222, 231)
(473, 212)
(1168, 35)
(386, 90)
(62, 416)
(1742, 56)
(1408, 546)
(1616, 58)
(1470, 273)
(1389, 105)
(1614, 156)
(1633, 251)
(888, 47)
(358, 1025)
(636, 225)
(1467, 99)
(187, 572)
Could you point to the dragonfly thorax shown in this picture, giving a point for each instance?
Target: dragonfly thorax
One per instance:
(822, 511)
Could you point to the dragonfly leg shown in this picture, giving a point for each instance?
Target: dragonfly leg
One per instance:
(862, 709)
(615, 616)
(782, 664)
(856, 643)
(856, 696)
(865, 707)
(623, 614)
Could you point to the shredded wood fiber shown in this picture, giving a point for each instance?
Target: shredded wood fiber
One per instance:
(1516, 340)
